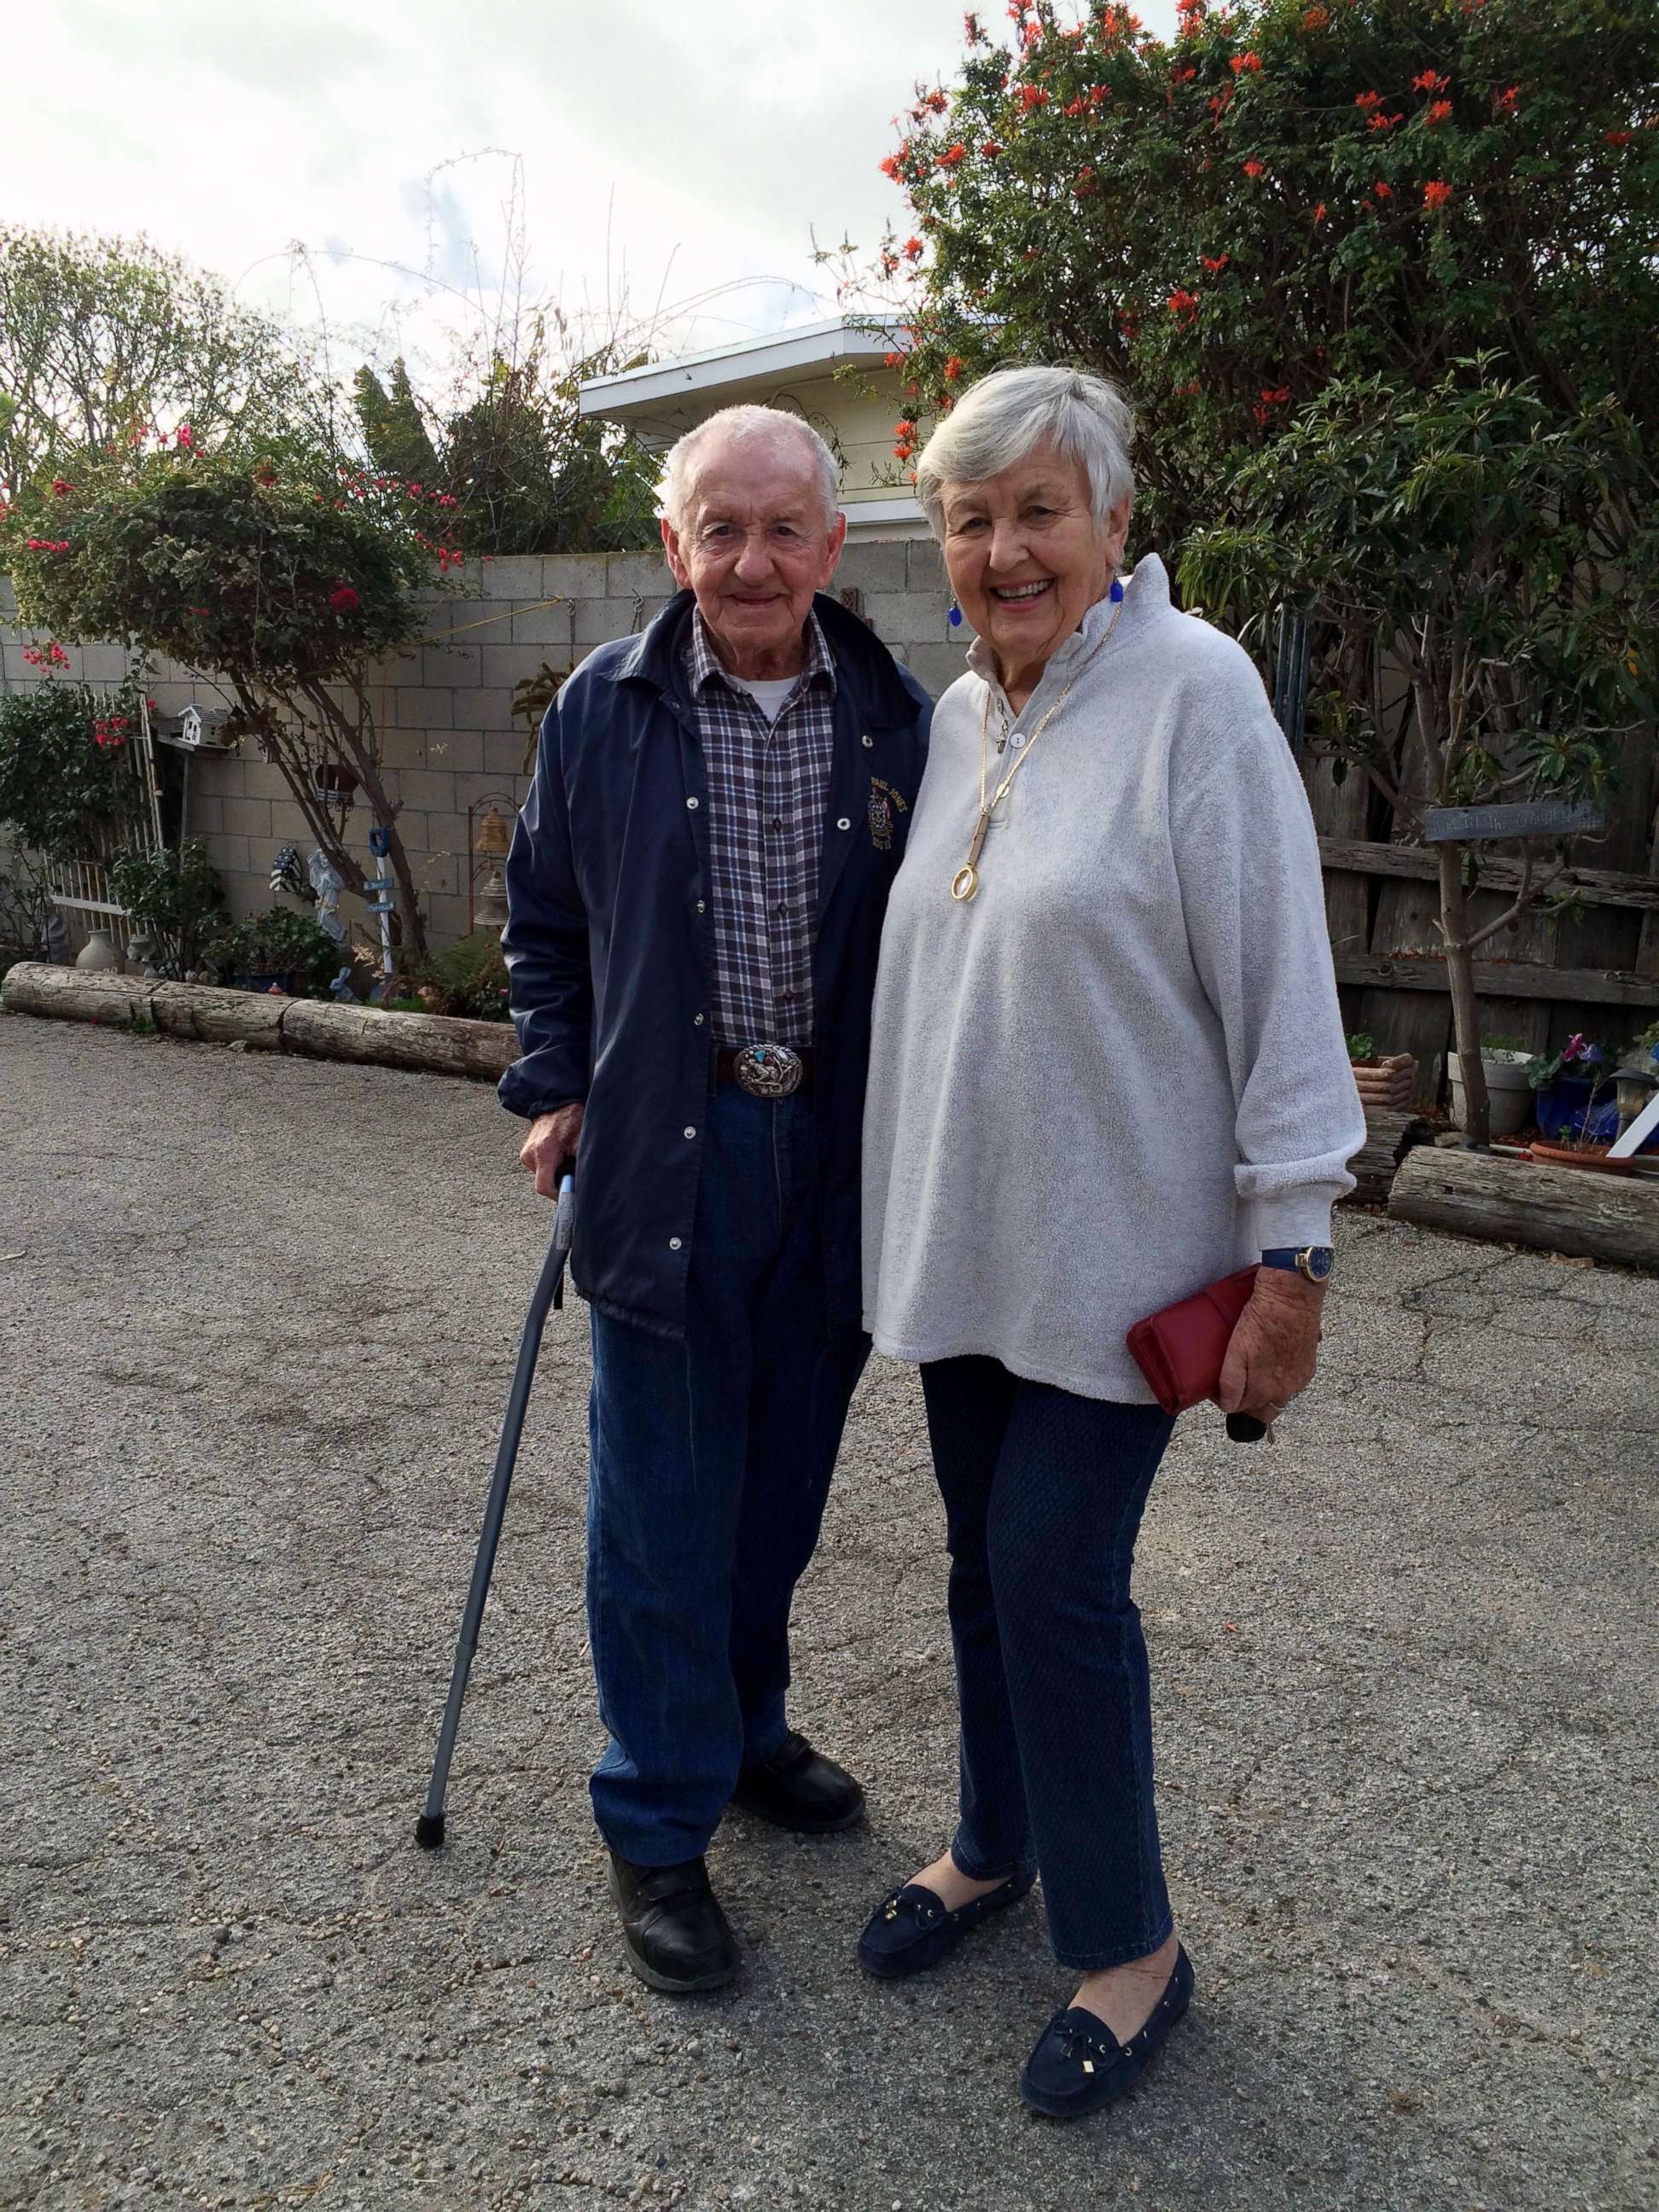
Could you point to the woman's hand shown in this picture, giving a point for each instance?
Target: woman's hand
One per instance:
(1274, 1349)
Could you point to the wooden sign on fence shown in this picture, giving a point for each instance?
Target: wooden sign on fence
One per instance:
(1549, 818)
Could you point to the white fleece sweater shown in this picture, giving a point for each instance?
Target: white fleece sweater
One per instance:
(1119, 1071)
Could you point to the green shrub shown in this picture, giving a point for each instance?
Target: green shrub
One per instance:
(471, 977)
(177, 899)
(280, 943)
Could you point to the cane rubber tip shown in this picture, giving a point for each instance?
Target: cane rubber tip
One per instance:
(429, 1831)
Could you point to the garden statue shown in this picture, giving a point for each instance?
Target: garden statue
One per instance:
(327, 882)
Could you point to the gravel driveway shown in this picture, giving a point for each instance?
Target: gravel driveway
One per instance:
(256, 1319)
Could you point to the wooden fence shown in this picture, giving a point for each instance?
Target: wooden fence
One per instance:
(1595, 968)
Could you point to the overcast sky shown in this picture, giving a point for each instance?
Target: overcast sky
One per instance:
(665, 150)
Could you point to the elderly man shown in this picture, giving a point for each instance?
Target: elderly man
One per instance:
(696, 888)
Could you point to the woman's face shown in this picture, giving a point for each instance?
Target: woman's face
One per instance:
(1026, 558)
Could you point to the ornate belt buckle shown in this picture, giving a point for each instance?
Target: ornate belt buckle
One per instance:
(767, 1071)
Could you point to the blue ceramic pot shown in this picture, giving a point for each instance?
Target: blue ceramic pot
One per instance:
(1563, 1109)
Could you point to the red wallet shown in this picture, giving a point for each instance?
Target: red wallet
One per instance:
(1180, 1350)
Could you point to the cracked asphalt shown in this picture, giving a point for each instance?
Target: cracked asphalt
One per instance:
(256, 1319)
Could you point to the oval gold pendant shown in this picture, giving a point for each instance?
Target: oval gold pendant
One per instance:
(964, 883)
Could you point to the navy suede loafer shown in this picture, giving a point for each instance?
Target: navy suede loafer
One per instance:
(1079, 2064)
(913, 1929)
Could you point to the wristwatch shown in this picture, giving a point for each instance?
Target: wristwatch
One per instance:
(1313, 1261)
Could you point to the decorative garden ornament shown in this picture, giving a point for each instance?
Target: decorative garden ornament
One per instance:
(326, 883)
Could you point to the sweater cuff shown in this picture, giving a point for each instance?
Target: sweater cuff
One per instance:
(1292, 1218)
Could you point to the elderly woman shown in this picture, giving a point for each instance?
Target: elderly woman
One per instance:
(1107, 1068)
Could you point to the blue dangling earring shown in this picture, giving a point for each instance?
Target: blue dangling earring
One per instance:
(1117, 591)
(955, 617)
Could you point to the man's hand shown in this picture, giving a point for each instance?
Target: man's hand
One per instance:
(550, 1146)
(1275, 1347)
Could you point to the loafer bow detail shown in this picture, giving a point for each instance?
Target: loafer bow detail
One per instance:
(912, 1928)
(1078, 2064)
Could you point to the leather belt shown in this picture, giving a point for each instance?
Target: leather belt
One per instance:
(765, 1070)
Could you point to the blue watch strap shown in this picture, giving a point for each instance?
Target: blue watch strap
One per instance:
(1319, 1260)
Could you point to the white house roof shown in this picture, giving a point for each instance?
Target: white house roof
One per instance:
(636, 395)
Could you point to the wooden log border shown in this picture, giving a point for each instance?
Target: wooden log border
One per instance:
(1509, 1202)
(434, 1044)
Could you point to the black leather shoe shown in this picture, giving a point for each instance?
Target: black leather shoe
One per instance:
(1079, 2064)
(675, 1933)
(798, 1788)
(913, 1929)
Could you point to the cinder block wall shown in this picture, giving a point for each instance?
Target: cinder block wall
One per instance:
(445, 708)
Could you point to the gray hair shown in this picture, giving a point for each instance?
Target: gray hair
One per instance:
(772, 426)
(1010, 413)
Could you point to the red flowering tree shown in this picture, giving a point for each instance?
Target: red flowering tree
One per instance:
(1299, 228)
(1283, 196)
(280, 577)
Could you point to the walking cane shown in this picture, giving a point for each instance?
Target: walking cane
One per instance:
(549, 1291)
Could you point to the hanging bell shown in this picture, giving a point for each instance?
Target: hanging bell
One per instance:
(489, 907)
(495, 839)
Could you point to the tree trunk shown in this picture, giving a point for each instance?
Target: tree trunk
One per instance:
(363, 756)
(1459, 975)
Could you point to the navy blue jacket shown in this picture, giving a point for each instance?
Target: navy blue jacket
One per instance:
(610, 947)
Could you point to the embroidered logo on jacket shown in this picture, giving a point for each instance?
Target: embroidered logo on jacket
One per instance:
(885, 806)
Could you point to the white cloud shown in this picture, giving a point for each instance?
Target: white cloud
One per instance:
(665, 151)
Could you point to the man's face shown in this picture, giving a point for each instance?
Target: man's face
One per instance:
(754, 545)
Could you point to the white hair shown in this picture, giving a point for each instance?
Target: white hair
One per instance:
(772, 426)
(1010, 413)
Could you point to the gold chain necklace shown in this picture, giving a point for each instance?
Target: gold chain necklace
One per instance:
(965, 882)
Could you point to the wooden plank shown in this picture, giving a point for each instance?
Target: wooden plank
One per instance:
(1509, 1202)
(1500, 978)
(1343, 811)
(1595, 886)
(1403, 1021)
(1388, 1138)
(74, 994)
(1549, 818)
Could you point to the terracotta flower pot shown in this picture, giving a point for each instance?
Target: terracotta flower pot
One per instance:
(1592, 1156)
(1385, 1086)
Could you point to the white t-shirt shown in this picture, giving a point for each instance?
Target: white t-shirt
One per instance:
(770, 694)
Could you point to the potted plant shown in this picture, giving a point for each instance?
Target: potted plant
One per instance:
(1505, 1062)
(279, 950)
(1573, 1096)
(1385, 1082)
(1578, 1110)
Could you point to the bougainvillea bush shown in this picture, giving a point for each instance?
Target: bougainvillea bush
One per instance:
(67, 788)
(1381, 278)
(279, 575)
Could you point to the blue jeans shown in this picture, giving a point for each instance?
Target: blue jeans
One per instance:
(709, 1465)
(1043, 1494)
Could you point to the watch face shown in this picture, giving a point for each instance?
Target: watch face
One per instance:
(1319, 1260)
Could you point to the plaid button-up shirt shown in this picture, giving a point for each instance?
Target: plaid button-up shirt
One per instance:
(769, 784)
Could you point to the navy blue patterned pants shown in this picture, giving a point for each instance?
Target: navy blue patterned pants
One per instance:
(1043, 1494)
